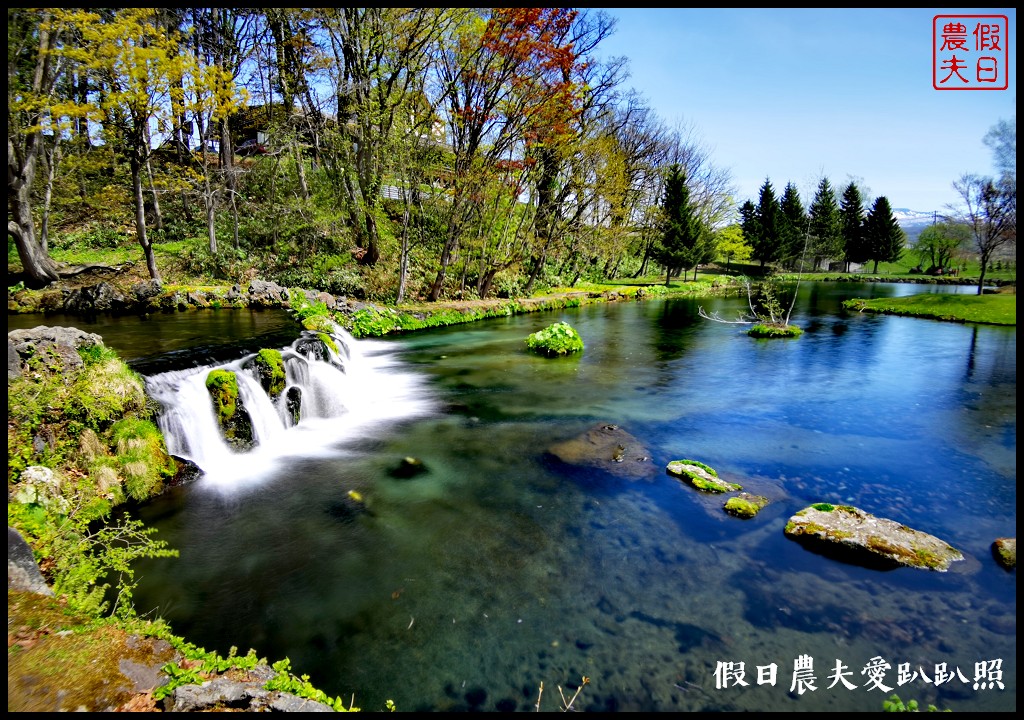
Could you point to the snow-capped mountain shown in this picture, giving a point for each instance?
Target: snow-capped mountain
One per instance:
(914, 221)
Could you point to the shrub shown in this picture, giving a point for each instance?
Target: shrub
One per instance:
(557, 339)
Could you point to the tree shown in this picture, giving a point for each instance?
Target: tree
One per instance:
(31, 75)
(380, 60)
(137, 64)
(767, 241)
(990, 210)
(883, 235)
(492, 86)
(733, 245)
(826, 225)
(851, 211)
(938, 245)
(1002, 139)
(793, 226)
(681, 230)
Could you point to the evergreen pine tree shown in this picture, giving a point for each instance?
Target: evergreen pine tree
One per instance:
(794, 226)
(749, 225)
(768, 243)
(826, 225)
(884, 237)
(680, 247)
(852, 212)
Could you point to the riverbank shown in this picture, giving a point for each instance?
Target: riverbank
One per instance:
(125, 290)
(995, 309)
(126, 293)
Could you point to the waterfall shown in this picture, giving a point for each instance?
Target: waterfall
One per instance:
(341, 388)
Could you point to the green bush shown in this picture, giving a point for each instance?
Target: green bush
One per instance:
(557, 339)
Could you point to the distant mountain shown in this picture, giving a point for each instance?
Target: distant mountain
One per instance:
(914, 221)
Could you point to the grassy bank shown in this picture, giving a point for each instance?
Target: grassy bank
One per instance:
(997, 309)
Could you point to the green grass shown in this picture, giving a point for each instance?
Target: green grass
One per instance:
(1000, 309)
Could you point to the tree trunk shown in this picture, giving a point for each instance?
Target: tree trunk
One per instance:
(157, 215)
(446, 258)
(40, 270)
(140, 218)
(44, 230)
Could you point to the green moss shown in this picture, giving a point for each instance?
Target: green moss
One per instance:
(328, 341)
(223, 388)
(706, 468)
(679, 469)
(141, 457)
(824, 507)
(270, 366)
(774, 331)
(554, 340)
(745, 506)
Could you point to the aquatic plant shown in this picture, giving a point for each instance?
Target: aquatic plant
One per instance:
(557, 339)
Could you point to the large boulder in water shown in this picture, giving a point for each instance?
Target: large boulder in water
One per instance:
(872, 540)
(610, 448)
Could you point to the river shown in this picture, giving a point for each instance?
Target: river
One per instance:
(502, 566)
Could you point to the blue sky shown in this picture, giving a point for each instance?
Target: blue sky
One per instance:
(794, 95)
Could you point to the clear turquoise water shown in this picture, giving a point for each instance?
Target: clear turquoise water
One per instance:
(502, 567)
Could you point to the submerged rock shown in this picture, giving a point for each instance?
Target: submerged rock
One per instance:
(409, 467)
(868, 538)
(609, 448)
(1005, 552)
(700, 476)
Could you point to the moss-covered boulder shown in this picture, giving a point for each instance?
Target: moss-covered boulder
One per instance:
(850, 533)
(700, 476)
(745, 505)
(233, 419)
(270, 367)
(554, 340)
(1004, 550)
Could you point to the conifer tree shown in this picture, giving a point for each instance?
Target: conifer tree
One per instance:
(681, 244)
(749, 225)
(852, 212)
(826, 225)
(884, 237)
(794, 226)
(768, 242)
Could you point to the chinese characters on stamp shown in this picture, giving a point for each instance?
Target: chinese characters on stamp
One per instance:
(970, 52)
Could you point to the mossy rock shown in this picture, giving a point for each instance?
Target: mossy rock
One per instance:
(1005, 552)
(874, 541)
(745, 505)
(223, 388)
(701, 476)
(270, 367)
(233, 419)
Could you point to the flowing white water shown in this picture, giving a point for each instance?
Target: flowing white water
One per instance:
(345, 393)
